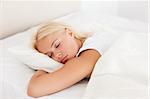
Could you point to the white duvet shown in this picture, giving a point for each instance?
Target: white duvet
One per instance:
(121, 73)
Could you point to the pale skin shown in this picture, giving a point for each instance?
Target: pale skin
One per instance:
(62, 47)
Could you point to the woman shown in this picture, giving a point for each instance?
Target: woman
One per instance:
(78, 52)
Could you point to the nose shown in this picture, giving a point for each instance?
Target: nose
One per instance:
(58, 55)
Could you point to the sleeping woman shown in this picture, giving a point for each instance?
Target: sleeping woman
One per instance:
(78, 52)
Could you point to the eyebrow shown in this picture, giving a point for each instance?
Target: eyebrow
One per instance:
(51, 45)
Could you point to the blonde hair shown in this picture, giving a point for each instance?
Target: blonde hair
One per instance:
(53, 27)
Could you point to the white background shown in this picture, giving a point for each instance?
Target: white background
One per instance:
(132, 9)
(18, 16)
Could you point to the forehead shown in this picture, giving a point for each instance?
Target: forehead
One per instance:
(44, 44)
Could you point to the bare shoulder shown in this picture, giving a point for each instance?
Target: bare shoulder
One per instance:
(90, 56)
(86, 58)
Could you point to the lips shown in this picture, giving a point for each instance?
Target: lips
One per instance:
(64, 59)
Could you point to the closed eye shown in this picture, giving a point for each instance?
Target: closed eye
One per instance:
(57, 45)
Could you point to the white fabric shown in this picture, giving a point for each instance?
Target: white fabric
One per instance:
(99, 41)
(122, 72)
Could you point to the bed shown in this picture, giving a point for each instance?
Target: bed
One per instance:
(15, 75)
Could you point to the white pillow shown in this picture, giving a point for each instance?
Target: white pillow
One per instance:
(25, 53)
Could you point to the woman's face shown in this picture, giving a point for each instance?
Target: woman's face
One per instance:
(60, 46)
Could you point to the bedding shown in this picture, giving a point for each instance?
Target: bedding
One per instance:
(122, 72)
(112, 67)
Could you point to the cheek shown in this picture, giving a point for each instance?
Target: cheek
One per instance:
(69, 47)
(63, 48)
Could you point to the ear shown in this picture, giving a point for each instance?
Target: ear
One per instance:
(67, 30)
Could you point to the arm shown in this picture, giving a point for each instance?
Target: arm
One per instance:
(73, 71)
